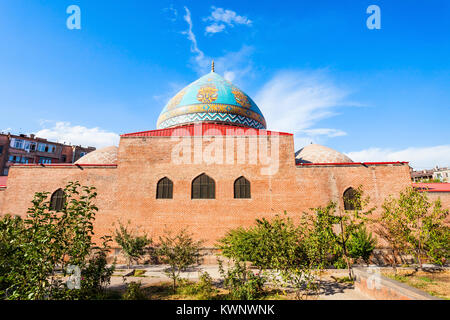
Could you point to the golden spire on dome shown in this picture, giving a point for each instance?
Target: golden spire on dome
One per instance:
(212, 66)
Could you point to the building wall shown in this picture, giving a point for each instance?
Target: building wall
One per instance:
(145, 160)
(445, 200)
(2, 197)
(128, 192)
(4, 145)
(24, 181)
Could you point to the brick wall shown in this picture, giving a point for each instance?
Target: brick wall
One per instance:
(128, 192)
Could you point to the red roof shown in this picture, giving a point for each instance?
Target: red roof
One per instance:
(432, 187)
(205, 129)
(3, 181)
(349, 163)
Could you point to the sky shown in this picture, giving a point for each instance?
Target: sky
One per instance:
(314, 68)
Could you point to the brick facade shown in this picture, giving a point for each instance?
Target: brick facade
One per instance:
(127, 191)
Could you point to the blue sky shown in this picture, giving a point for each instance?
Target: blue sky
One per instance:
(313, 67)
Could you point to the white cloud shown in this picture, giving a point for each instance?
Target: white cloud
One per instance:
(325, 132)
(224, 17)
(233, 65)
(173, 13)
(215, 28)
(295, 101)
(199, 55)
(228, 16)
(419, 157)
(64, 132)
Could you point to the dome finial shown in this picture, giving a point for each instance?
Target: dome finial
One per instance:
(212, 66)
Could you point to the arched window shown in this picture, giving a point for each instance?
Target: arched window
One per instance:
(351, 199)
(203, 187)
(241, 188)
(164, 189)
(57, 200)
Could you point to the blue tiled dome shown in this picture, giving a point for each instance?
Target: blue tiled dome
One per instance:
(211, 99)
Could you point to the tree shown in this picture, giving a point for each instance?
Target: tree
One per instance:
(33, 250)
(179, 252)
(132, 245)
(361, 244)
(328, 231)
(275, 248)
(416, 225)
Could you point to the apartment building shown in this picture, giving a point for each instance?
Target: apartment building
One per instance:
(34, 150)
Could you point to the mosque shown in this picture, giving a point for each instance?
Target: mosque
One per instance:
(210, 166)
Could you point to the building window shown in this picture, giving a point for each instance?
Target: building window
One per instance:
(241, 188)
(57, 200)
(352, 200)
(17, 143)
(1, 149)
(203, 187)
(45, 160)
(164, 189)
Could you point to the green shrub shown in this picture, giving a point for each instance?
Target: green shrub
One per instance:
(134, 291)
(361, 244)
(242, 283)
(132, 245)
(179, 252)
(35, 252)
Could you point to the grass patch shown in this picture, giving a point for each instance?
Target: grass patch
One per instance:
(435, 282)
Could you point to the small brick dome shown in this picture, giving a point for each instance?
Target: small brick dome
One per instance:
(316, 153)
(107, 155)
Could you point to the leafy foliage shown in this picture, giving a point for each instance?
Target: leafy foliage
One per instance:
(275, 248)
(242, 283)
(361, 244)
(134, 291)
(132, 245)
(414, 225)
(179, 252)
(35, 252)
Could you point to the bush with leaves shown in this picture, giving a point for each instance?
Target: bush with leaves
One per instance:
(132, 245)
(275, 247)
(361, 244)
(134, 291)
(241, 282)
(329, 231)
(179, 251)
(415, 225)
(35, 251)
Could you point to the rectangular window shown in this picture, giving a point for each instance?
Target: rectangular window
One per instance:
(45, 160)
(17, 143)
(1, 149)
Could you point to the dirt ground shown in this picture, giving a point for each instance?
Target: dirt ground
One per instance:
(156, 282)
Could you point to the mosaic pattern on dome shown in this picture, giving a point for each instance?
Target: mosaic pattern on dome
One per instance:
(241, 98)
(211, 116)
(175, 100)
(211, 94)
(207, 93)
